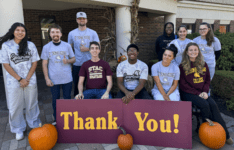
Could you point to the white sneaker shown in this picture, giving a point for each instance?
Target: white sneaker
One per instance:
(54, 123)
(19, 136)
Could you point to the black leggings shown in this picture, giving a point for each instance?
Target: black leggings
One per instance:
(209, 109)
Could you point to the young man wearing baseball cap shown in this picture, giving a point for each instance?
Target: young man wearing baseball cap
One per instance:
(80, 39)
(131, 77)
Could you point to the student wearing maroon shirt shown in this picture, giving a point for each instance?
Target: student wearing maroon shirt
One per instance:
(194, 85)
(97, 73)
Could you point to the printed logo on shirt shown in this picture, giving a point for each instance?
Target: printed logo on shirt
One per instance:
(95, 72)
(57, 56)
(194, 70)
(198, 80)
(81, 37)
(18, 59)
(135, 76)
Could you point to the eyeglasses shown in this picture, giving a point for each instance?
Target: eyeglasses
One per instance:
(203, 29)
(168, 27)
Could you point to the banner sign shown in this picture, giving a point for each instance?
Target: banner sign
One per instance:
(150, 122)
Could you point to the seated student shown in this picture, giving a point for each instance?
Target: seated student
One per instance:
(96, 71)
(166, 76)
(194, 85)
(131, 77)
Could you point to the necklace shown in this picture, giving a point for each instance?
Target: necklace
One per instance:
(165, 75)
(82, 41)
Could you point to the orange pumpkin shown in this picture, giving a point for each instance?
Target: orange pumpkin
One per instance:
(122, 58)
(125, 141)
(212, 134)
(43, 138)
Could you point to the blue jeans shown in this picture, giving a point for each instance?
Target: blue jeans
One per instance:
(55, 91)
(75, 76)
(95, 93)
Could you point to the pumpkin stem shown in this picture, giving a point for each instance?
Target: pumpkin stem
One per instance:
(210, 122)
(40, 125)
(124, 132)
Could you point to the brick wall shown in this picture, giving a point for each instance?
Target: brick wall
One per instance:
(232, 26)
(150, 29)
(216, 25)
(178, 23)
(198, 21)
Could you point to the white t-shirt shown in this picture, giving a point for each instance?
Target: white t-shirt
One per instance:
(59, 73)
(77, 37)
(208, 51)
(181, 45)
(166, 74)
(20, 64)
(132, 73)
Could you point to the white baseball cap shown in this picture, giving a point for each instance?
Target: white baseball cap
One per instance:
(81, 15)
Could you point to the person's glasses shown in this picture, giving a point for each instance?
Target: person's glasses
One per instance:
(203, 29)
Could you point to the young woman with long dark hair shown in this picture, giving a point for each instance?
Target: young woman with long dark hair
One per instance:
(209, 45)
(19, 57)
(194, 85)
(180, 43)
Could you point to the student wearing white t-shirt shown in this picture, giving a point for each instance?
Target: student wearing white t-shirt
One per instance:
(166, 76)
(209, 45)
(19, 58)
(180, 43)
(131, 77)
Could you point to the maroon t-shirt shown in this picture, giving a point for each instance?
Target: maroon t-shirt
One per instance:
(95, 73)
(194, 82)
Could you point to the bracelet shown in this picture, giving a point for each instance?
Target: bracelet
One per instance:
(20, 79)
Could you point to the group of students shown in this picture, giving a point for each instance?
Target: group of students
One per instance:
(181, 61)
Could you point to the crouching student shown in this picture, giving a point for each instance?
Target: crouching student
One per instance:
(194, 85)
(131, 77)
(166, 76)
(97, 72)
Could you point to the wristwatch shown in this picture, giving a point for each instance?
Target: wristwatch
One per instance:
(20, 79)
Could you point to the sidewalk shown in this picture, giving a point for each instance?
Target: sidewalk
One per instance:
(8, 142)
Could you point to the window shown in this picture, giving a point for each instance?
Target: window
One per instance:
(224, 28)
(190, 28)
(45, 22)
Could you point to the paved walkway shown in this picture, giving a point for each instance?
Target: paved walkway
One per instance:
(8, 142)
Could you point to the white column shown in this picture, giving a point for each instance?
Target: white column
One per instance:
(11, 11)
(123, 29)
(170, 18)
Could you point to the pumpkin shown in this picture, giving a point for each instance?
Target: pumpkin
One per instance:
(43, 138)
(122, 58)
(212, 134)
(125, 141)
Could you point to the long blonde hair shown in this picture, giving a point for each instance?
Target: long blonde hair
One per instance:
(199, 62)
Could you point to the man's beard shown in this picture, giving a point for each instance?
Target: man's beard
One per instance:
(55, 40)
(82, 24)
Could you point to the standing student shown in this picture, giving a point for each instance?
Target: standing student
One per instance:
(59, 55)
(80, 39)
(163, 41)
(98, 74)
(166, 75)
(180, 43)
(131, 77)
(19, 58)
(209, 45)
(194, 85)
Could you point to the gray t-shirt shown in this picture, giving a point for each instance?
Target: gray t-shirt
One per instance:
(132, 73)
(59, 73)
(77, 37)
(208, 51)
(181, 45)
(166, 74)
(20, 64)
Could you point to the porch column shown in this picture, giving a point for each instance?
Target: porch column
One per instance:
(123, 28)
(170, 18)
(11, 11)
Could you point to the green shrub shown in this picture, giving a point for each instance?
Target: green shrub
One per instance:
(223, 86)
(226, 60)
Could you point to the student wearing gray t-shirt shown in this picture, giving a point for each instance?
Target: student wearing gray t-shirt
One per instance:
(180, 43)
(166, 76)
(59, 56)
(209, 45)
(80, 39)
